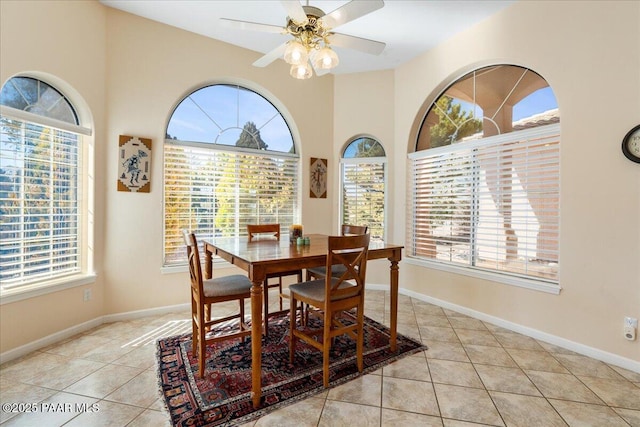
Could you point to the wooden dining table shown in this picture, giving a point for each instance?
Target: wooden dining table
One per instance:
(264, 256)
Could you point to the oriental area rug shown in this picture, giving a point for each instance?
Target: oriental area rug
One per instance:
(223, 396)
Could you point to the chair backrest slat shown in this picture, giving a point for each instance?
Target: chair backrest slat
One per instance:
(193, 256)
(353, 230)
(255, 229)
(350, 251)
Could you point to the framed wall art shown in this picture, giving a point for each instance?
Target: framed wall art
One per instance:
(134, 164)
(318, 179)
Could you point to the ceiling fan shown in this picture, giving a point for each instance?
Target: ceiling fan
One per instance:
(312, 32)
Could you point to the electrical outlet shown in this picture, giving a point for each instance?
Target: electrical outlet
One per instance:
(630, 322)
(630, 326)
(87, 295)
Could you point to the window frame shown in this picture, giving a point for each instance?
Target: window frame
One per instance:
(344, 161)
(85, 274)
(483, 192)
(223, 148)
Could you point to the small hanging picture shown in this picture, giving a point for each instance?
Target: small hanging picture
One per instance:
(134, 164)
(318, 179)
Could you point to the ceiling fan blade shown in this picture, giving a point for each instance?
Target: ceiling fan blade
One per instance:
(350, 11)
(253, 26)
(357, 43)
(295, 11)
(271, 56)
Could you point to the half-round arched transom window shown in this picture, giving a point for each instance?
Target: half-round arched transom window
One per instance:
(490, 101)
(37, 97)
(229, 160)
(230, 115)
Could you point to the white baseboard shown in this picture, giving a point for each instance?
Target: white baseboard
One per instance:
(585, 350)
(83, 327)
(48, 340)
(137, 314)
(613, 359)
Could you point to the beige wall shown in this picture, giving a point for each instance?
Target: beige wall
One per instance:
(589, 52)
(64, 43)
(364, 104)
(151, 67)
(131, 72)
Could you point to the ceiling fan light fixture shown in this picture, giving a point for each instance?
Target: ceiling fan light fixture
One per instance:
(301, 71)
(325, 59)
(295, 53)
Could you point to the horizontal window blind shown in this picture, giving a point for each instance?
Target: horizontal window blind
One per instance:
(217, 192)
(490, 204)
(39, 203)
(363, 194)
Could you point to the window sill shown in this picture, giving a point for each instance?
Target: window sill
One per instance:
(536, 285)
(30, 291)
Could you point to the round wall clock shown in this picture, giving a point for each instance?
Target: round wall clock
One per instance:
(631, 144)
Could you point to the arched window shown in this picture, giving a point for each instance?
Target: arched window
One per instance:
(229, 160)
(43, 190)
(485, 177)
(363, 185)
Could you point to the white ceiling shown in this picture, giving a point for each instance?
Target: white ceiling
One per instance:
(408, 27)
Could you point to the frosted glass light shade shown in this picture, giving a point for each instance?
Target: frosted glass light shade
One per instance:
(295, 53)
(302, 71)
(325, 59)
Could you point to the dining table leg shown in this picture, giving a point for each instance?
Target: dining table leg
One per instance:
(394, 304)
(256, 337)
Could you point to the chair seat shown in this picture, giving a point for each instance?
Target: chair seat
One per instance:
(315, 289)
(227, 285)
(336, 271)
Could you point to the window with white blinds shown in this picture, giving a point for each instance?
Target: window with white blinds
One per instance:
(489, 204)
(39, 203)
(363, 193)
(42, 191)
(229, 161)
(363, 183)
(218, 191)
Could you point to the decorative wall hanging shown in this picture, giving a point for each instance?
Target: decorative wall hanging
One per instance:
(134, 164)
(318, 178)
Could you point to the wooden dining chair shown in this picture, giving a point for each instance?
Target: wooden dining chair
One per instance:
(332, 296)
(206, 293)
(338, 270)
(272, 230)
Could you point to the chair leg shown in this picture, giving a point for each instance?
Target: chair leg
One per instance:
(202, 349)
(292, 324)
(360, 340)
(242, 326)
(194, 337)
(207, 316)
(302, 319)
(326, 349)
(280, 291)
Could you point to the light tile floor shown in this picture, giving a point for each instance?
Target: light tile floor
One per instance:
(473, 373)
